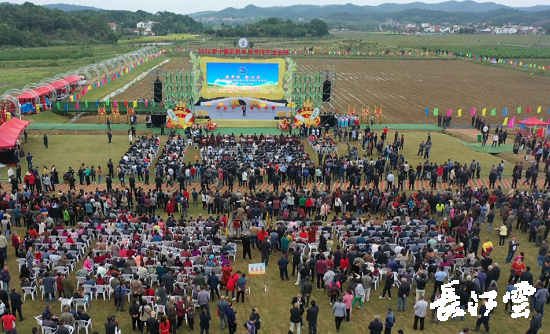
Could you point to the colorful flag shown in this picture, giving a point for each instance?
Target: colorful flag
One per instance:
(459, 112)
(427, 111)
(135, 103)
(523, 125)
(96, 104)
(539, 109)
(107, 102)
(484, 112)
(59, 106)
(86, 103)
(519, 111)
(449, 112)
(473, 112)
(77, 106)
(436, 111)
(511, 122)
(535, 128)
(493, 112)
(66, 106)
(528, 109)
(505, 112)
(505, 121)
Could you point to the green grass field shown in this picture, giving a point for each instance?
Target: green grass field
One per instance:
(72, 150)
(42, 63)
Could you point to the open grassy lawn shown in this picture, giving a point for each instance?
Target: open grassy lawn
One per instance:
(274, 306)
(74, 150)
(22, 66)
(46, 117)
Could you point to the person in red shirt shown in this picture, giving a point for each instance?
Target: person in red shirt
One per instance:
(8, 320)
(344, 262)
(311, 236)
(262, 234)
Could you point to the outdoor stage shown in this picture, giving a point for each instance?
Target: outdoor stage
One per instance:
(237, 113)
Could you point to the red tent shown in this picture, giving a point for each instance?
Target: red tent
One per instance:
(41, 91)
(532, 122)
(10, 131)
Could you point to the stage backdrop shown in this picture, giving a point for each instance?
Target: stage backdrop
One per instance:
(262, 78)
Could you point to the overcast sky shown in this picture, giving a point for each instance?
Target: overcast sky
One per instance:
(185, 6)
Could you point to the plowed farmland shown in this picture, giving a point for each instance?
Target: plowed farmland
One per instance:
(144, 88)
(406, 88)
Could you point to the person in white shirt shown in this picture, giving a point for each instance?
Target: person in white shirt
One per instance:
(390, 178)
(420, 309)
(495, 140)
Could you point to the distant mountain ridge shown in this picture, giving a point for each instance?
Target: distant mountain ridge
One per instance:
(71, 8)
(315, 11)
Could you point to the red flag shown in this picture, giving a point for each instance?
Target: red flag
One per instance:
(126, 104)
(528, 109)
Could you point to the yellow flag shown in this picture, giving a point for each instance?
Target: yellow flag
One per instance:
(484, 111)
(505, 121)
(135, 103)
(459, 112)
(539, 109)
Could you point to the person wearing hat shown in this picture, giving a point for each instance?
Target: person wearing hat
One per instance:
(390, 320)
(110, 325)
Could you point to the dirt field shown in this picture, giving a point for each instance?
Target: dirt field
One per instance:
(144, 88)
(406, 87)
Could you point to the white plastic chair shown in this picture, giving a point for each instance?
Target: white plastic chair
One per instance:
(66, 302)
(84, 324)
(80, 302)
(150, 300)
(70, 328)
(160, 309)
(88, 290)
(29, 290)
(48, 330)
(100, 289)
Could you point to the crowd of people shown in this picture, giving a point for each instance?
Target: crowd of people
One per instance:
(172, 267)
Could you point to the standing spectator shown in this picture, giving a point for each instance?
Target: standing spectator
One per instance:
(231, 318)
(283, 267)
(8, 321)
(420, 309)
(296, 318)
(311, 317)
(388, 284)
(204, 321)
(153, 324)
(483, 317)
(376, 326)
(339, 310)
(403, 292)
(535, 325)
(390, 320)
(241, 286)
(222, 307)
(16, 303)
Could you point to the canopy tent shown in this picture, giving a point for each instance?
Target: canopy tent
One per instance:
(41, 91)
(532, 122)
(10, 131)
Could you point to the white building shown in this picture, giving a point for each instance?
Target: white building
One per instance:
(506, 30)
(425, 25)
(146, 25)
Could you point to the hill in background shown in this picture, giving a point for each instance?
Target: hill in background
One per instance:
(70, 8)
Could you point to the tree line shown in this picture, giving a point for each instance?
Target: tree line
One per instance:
(29, 25)
(272, 27)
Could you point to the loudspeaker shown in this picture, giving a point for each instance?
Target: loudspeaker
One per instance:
(328, 119)
(157, 91)
(327, 86)
(158, 119)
